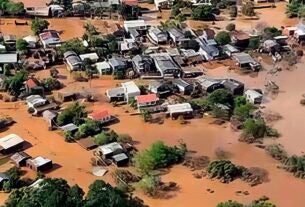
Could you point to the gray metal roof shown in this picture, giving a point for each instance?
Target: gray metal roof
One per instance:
(117, 61)
(180, 82)
(178, 34)
(114, 92)
(9, 58)
(206, 82)
(243, 58)
(120, 157)
(164, 61)
(69, 127)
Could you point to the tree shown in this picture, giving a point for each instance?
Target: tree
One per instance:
(255, 128)
(230, 204)
(204, 12)
(75, 45)
(74, 113)
(50, 84)
(89, 128)
(243, 112)
(271, 32)
(106, 137)
(239, 101)
(223, 38)
(233, 11)
(230, 27)
(21, 45)
(254, 43)
(292, 9)
(14, 8)
(38, 25)
(220, 96)
(15, 83)
(248, 9)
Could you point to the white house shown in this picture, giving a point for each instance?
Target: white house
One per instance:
(131, 90)
(254, 96)
(35, 101)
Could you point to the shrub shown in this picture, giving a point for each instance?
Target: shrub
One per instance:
(221, 113)
(277, 152)
(38, 25)
(220, 96)
(224, 170)
(125, 138)
(292, 9)
(149, 184)
(243, 112)
(254, 43)
(233, 11)
(223, 38)
(254, 128)
(230, 27)
(74, 113)
(21, 45)
(248, 9)
(271, 132)
(89, 128)
(204, 12)
(230, 204)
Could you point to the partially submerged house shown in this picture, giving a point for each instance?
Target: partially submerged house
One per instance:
(176, 35)
(114, 152)
(103, 68)
(207, 50)
(50, 39)
(73, 61)
(69, 128)
(207, 84)
(191, 56)
(39, 164)
(165, 64)
(87, 143)
(34, 101)
(31, 40)
(118, 65)
(144, 65)
(131, 90)
(136, 28)
(183, 86)
(8, 58)
(148, 102)
(50, 118)
(235, 87)
(10, 42)
(182, 109)
(253, 96)
(157, 36)
(102, 116)
(229, 50)
(240, 38)
(115, 94)
(20, 158)
(11, 143)
(161, 88)
(91, 56)
(191, 72)
(245, 61)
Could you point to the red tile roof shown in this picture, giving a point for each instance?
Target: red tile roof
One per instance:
(99, 115)
(147, 98)
(30, 83)
(131, 2)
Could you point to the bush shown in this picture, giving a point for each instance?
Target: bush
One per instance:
(21, 45)
(50, 84)
(248, 9)
(230, 27)
(233, 11)
(223, 38)
(75, 45)
(243, 112)
(220, 113)
(239, 101)
(254, 128)
(104, 138)
(74, 113)
(89, 128)
(230, 204)
(271, 132)
(292, 9)
(254, 43)
(220, 96)
(277, 152)
(204, 12)
(149, 184)
(125, 138)
(38, 25)
(224, 170)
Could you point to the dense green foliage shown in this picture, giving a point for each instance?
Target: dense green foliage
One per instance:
(230, 27)
(204, 12)
(254, 128)
(295, 8)
(106, 137)
(21, 45)
(277, 152)
(149, 184)
(258, 203)
(50, 84)
(15, 83)
(224, 170)
(254, 43)
(11, 8)
(14, 181)
(223, 38)
(158, 156)
(230, 204)
(243, 112)
(221, 96)
(88, 128)
(74, 113)
(75, 45)
(270, 33)
(38, 25)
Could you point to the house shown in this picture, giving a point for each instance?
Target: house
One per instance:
(87, 143)
(183, 86)
(49, 117)
(239, 38)
(176, 35)
(229, 50)
(10, 143)
(157, 36)
(63, 96)
(20, 158)
(73, 61)
(147, 102)
(207, 84)
(118, 65)
(176, 56)
(44, 11)
(31, 40)
(128, 45)
(34, 101)
(103, 68)
(163, 4)
(8, 58)
(281, 40)
(235, 87)
(271, 46)
(289, 31)
(102, 116)
(191, 56)
(208, 51)
(111, 149)
(115, 94)
(120, 159)
(245, 61)
(31, 87)
(165, 64)
(69, 127)
(50, 39)
(191, 72)
(131, 90)
(161, 88)
(253, 96)
(39, 164)
(143, 64)
(104, 4)
(10, 42)
(181, 109)
(3, 178)
(136, 28)
(91, 56)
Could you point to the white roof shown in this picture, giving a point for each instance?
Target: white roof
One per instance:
(179, 108)
(39, 161)
(8, 58)
(253, 93)
(134, 24)
(36, 184)
(130, 87)
(91, 56)
(280, 37)
(30, 38)
(102, 65)
(10, 141)
(110, 148)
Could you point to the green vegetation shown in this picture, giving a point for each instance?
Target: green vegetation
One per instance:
(11, 8)
(15, 83)
(254, 43)
(256, 203)
(21, 45)
(270, 33)
(158, 156)
(74, 113)
(106, 137)
(75, 45)
(38, 25)
(248, 9)
(204, 13)
(14, 181)
(88, 128)
(220, 96)
(223, 38)
(243, 112)
(230, 204)
(255, 128)
(295, 9)
(50, 84)
(149, 184)
(224, 170)
(277, 152)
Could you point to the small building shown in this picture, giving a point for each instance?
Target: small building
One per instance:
(207, 84)
(147, 102)
(182, 109)
(208, 51)
(131, 90)
(103, 68)
(39, 164)
(66, 96)
(20, 158)
(34, 101)
(253, 96)
(32, 87)
(235, 87)
(50, 39)
(157, 36)
(11, 143)
(135, 24)
(115, 94)
(91, 56)
(229, 50)
(111, 149)
(271, 46)
(102, 116)
(87, 143)
(191, 72)
(69, 127)
(245, 61)
(143, 64)
(73, 61)
(31, 40)
(165, 64)
(240, 38)
(191, 56)
(8, 58)
(49, 117)
(176, 35)
(120, 159)
(118, 65)
(161, 88)
(183, 86)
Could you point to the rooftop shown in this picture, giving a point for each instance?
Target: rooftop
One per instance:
(130, 87)
(40, 161)
(147, 98)
(99, 115)
(69, 127)
(10, 140)
(110, 148)
(120, 157)
(179, 108)
(8, 58)
(243, 58)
